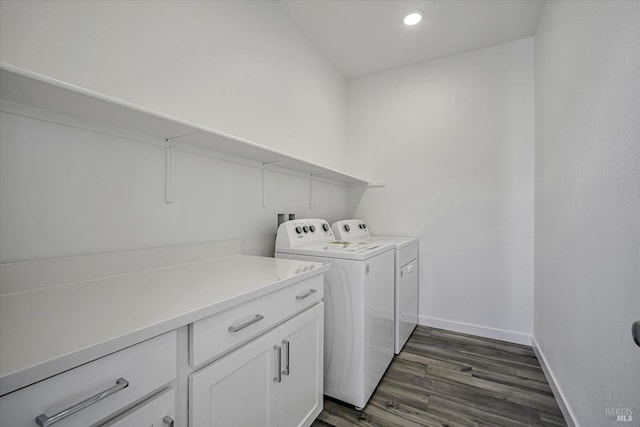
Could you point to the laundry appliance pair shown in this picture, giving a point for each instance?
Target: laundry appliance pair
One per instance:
(370, 299)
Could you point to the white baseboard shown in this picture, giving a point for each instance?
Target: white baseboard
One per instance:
(481, 331)
(514, 337)
(568, 414)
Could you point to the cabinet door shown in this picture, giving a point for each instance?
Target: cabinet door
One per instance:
(238, 390)
(406, 304)
(301, 339)
(159, 411)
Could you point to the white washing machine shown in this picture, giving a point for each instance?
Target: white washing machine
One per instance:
(406, 274)
(358, 303)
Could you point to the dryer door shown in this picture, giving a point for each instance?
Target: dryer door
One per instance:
(407, 303)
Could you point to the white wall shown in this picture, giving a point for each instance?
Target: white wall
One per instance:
(587, 216)
(452, 139)
(66, 191)
(240, 67)
(236, 66)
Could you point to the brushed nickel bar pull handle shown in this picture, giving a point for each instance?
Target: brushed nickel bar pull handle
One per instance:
(278, 378)
(306, 294)
(45, 421)
(285, 343)
(238, 328)
(168, 421)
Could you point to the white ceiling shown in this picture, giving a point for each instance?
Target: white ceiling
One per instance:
(366, 36)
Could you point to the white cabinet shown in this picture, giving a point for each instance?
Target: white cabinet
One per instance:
(218, 334)
(207, 355)
(274, 380)
(300, 391)
(238, 390)
(95, 391)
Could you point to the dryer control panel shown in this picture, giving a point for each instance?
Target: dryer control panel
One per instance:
(300, 232)
(350, 229)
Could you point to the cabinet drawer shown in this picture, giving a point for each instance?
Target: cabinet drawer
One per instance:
(217, 334)
(146, 367)
(158, 411)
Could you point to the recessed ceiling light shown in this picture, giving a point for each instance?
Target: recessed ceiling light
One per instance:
(413, 18)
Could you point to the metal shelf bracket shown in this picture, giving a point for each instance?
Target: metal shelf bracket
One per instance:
(265, 170)
(310, 191)
(169, 158)
(264, 184)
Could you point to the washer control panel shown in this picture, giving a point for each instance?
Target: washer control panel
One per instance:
(300, 232)
(350, 229)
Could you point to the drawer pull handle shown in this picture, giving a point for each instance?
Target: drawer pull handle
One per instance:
(306, 294)
(285, 343)
(44, 421)
(168, 421)
(238, 328)
(278, 377)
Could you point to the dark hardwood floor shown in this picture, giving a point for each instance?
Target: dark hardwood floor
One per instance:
(444, 378)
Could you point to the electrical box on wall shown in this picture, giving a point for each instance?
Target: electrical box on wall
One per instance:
(284, 217)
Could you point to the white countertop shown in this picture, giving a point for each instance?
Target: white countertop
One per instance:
(47, 331)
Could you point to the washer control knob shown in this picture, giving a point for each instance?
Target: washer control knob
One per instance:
(312, 228)
(305, 229)
(346, 227)
(325, 226)
(298, 229)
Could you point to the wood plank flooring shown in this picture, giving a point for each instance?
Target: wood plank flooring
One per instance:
(443, 378)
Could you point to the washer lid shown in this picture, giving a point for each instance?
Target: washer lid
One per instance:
(357, 230)
(358, 251)
(397, 241)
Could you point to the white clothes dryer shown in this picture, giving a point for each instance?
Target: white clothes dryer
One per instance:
(406, 274)
(358, 302)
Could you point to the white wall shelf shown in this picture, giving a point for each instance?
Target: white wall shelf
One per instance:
(35, 90)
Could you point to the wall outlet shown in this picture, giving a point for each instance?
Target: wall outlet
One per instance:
(284, 217)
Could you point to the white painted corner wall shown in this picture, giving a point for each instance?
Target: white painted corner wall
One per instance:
(219, 70)
(240, 67)
(452, 139)
(66, 191)
(587, 206)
